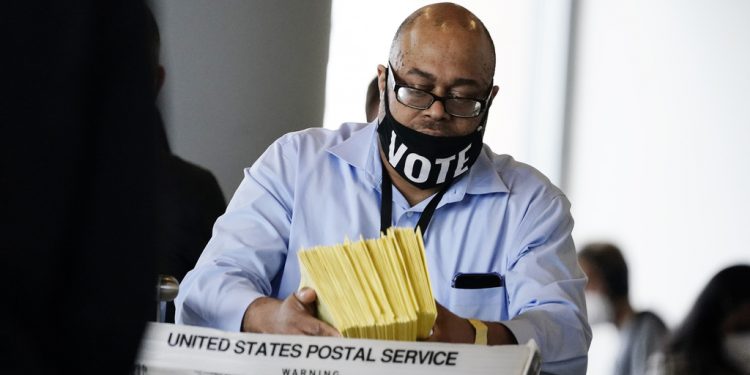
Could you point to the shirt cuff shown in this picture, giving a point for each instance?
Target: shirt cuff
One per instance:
(522, 329)
(232, 308)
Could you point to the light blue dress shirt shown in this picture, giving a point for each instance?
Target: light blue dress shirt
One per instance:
(319, 186)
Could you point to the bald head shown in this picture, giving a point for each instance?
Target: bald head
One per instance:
(462, 34)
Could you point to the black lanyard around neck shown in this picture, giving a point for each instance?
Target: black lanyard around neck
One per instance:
(386, 203)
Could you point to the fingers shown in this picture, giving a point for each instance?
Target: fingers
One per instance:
(311, 326)
(306, 295)
(437, 334)
(450, 327)
(302, 315)
(303, 300)
(295, 315)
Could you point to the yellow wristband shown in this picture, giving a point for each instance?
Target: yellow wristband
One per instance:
(480, 338)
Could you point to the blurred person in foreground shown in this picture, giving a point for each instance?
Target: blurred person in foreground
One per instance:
(641, 333)
(80, 161)
(714, 338)
(421, 164)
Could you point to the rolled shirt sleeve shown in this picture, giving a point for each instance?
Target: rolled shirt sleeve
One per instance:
(545, 288)
(247, 250)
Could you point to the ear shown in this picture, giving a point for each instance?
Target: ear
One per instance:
(381, 87)
(495, 90)
(381, 80)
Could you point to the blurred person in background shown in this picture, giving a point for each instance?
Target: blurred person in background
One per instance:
(714, 338)
(641, 333)
(190, 198)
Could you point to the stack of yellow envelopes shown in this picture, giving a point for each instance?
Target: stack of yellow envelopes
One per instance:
(377, 288)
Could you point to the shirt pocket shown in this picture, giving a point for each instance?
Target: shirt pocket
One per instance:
(484, 304)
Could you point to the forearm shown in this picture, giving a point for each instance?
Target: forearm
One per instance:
(450, 327)
(499, 334)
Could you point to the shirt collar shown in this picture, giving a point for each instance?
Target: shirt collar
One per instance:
(482, 177)
(350, 150)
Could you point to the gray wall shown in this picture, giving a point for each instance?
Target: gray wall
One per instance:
(239, 75)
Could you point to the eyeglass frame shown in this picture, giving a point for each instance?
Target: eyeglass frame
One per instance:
(483, 103)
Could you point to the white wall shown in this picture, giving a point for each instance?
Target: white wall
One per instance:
(661, 128)
(659, 158)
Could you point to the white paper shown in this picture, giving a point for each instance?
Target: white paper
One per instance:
(177, 349)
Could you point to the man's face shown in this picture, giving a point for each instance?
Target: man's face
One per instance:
(595, 280)
(446, 63)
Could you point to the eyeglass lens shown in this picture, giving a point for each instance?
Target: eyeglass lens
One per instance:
(420, 99)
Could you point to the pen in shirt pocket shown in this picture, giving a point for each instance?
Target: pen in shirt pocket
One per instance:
(463, 280)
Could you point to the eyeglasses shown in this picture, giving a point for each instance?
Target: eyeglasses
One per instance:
(420, 99)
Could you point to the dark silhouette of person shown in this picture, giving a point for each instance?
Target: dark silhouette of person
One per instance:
(80, 165)
(190, 198)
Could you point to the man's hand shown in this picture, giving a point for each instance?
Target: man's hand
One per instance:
(294, 316)
(450, 327)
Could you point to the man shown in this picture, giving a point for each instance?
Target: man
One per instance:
(641, 333)
(422, 164)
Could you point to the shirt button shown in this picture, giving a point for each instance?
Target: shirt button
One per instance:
(409, 214)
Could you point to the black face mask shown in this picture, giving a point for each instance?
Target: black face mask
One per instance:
(424, 160)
